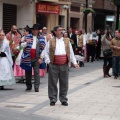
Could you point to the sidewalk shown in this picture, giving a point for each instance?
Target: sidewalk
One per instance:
(91, 97)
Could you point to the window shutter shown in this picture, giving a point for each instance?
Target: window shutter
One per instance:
(9, 16)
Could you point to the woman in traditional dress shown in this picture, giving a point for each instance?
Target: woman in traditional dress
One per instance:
(18, 71)
(6, 72)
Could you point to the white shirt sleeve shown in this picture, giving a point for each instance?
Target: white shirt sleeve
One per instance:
(72, 56)
(46, 52)
(84, 39)
(24, 44)
(42, 54)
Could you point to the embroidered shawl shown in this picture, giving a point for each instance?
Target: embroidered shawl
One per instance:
(25, 58)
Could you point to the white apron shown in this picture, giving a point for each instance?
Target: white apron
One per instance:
(6, 72)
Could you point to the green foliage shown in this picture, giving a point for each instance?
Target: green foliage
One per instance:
(88, 10)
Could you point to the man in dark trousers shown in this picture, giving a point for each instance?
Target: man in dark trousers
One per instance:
(58, 53)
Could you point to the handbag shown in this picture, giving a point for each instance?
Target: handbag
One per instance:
(107, 52)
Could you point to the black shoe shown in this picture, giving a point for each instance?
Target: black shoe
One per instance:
(52, 104)
(2, 87)
(92, 60)
(27, 89)
(36, 90)
(115, 77)
(64, 103)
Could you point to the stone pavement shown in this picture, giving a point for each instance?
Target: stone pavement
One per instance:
(91, 97)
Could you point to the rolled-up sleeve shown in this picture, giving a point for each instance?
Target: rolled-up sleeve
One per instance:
(72, 56)
(24, 44)
(47, 58)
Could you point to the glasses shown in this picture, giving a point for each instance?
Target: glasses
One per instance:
(14, 29)
(60, 29)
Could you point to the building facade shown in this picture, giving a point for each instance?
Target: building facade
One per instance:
(27, 12)
(105, 13)
(49, 13)
(16, 12)
(52, 12)
(76, 15)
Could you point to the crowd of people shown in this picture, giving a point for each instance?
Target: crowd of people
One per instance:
(37, 51)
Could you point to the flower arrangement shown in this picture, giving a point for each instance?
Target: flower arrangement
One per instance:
(88, 10)
(17, 51)
(71, 41)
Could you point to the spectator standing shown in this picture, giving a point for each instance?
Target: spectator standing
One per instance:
(106, 39)
(115, 45)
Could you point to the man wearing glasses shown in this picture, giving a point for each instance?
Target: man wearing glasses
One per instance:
(58, 53)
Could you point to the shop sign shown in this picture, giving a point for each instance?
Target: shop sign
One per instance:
(47, 8)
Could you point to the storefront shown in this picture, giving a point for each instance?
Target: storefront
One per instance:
(104, 19)
(110, 21)
(47, 14)
(50, 15)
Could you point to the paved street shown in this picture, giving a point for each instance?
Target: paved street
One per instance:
(91, 97)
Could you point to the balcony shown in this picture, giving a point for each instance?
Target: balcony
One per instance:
(58, 1)
(82, 1)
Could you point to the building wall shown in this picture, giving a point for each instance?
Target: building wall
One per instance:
(99, 4)
(25, 12)
(1, 14)
(89, 21)
(103, 9)
(103, 4)
(26, 15)
(52, 20)
(108, 5)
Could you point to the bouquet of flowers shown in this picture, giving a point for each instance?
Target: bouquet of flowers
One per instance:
(71, 41)
(17, 51)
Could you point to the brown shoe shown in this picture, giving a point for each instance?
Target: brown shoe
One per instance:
(108, 69)
(105, 71)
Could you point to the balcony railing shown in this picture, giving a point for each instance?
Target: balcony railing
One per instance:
(64, 0)
(83, 1)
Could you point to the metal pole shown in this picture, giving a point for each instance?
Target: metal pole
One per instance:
(117, 18)
(67, 19)
(86, 16)
(86, 3)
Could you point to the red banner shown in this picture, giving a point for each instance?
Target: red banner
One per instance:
(47, 8)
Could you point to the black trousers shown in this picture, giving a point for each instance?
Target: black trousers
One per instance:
(28, 75)
(107, 61)
(90, 52)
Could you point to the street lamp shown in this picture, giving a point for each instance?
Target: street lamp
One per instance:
(86, 16)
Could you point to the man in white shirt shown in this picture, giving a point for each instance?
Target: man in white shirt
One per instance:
(58, 53)
(46, 35)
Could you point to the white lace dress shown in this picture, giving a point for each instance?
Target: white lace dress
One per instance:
(6, 72)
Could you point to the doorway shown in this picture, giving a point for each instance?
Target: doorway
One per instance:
(41, 19)
(61, 20)
(74, 22)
